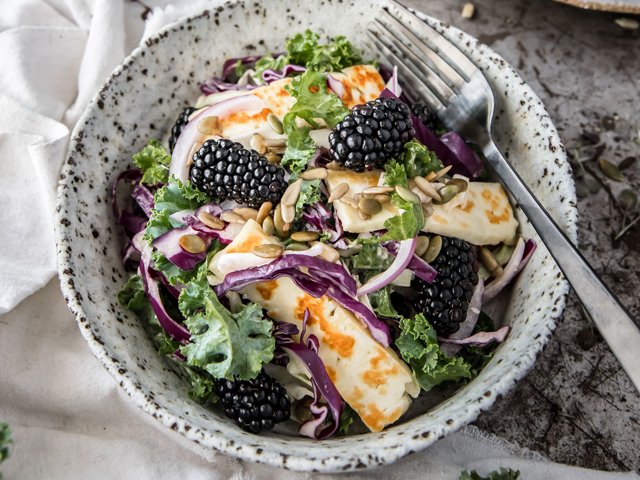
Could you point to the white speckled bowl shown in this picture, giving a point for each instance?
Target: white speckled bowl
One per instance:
(142, 99)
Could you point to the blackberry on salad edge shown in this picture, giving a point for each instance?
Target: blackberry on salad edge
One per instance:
(255, 405)
(426, 116)
(227, 170)
(179, 126)
(371, 134)
(444, 303)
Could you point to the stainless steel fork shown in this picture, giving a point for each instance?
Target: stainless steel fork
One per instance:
(436, 71)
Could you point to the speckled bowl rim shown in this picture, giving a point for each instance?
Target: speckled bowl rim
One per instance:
(354, 460)
(604, 7)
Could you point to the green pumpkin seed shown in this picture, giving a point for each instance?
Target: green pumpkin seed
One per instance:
(460, 183)
(433, 250)
(275, 123)
(305, 236)
(447, 193)
(297, 247)
(192, 244)
(407, 195)
(370, 205)
(268, 226)
(421, 245)
(611, 171)
(582, 190)
(268, 250)
(593, 185)
(628, 199)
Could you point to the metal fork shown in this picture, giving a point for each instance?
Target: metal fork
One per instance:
(438, 72)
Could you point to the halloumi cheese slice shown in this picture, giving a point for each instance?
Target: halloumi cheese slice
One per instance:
(362, 83)
(351, 221)
(485, 219)
(371, 379)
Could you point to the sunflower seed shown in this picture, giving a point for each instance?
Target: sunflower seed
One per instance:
(305, 236)
(427, 188)
(275, 142)
(611, 171)
(364, 216)
(627, 23)
(247, 213)
(275, 123)
(433, 250)
(490, 262)
(211, 221)
(358, 196)
(257, 143)
(460, 183)
(291, 194)
(333, 166)
(192, 244)
(339, 192)
(382, 198)
(297, 247)
(209, 126)
(288, 213)
(628, 199)
(421, 245)
(407, 194)
(268, 250)
(468, 11)
(349, 201)
(443, 172)
(279, 223)
(328, 253)
(265, 210)
(370, 206)
(447, 193)
(268, 226)
(232, 218)
(287, 227)
(430, 177)
(314, 174)
(377, 190)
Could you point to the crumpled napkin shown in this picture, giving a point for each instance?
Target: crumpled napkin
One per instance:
(68, 415)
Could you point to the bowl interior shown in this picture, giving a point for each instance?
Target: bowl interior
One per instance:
(141, 100)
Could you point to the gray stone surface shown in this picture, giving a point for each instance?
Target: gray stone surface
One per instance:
(576, 406)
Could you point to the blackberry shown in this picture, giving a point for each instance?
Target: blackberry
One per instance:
(426, 116)
(227, 170)
(444, 303)
(255, 405)
(177, 129)
(371, 134)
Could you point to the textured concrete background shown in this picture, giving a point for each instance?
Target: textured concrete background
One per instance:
(576, 406)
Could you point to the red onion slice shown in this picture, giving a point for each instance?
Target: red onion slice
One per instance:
(466, 328)
(510, 272)
(403, 257)
(480, 339)
(190, 135)
(529, 248)
(335, 85)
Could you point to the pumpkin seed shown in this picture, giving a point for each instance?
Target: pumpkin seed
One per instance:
(433, 250)
(626, 163)
(611, 171)
(257, 143)
(349, 201)
(268, 250)
(275, 142)
(447, 193)
(268, 226)
(232, 218)
(291, 194)
(427, 210)
(339, 192)
(288, 213)
(460, 183)
(443, 172)
(370, 206)
(628, 199)
(314, 174)
(407, 194)
(192, 244)
(592, 184)
(247, 213)
(275, 123)
(297, 247)
(427, 188)
(582, 191)
(382, 198)
(421, 245)
(490, 262)
(364, 216)
(334, 166)
(305, 236)
(211, 221)
(209, 126)
(265, 210)
(279, 223)
(377, 190)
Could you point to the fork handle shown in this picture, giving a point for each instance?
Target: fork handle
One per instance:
(614, 322)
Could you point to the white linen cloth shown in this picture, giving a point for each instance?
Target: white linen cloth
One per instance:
(68, 417)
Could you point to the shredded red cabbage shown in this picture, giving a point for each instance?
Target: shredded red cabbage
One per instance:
(143, 196)
(131, 223)
(529, 248)
(480, 339)
(133, 175)
(469, 160)
(417, 265)
(269, 75)
(217, 85)
(168, 244)
(317, 217)
(230, 64)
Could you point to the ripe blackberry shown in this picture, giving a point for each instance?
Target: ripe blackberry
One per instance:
(177, 129)
(444, 303)
(371, 134)
(227, 170)
(427, 117)
(256, 404)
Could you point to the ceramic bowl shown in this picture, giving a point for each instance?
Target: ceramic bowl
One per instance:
(141, 101)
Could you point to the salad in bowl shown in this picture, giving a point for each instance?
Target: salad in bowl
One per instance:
(309, 244)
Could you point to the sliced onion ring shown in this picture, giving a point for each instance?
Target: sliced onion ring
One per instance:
(335, 85)
(480, 339)
(404, 256)
(510, 272)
